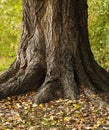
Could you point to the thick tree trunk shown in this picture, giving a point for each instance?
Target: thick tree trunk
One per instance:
(54, 56)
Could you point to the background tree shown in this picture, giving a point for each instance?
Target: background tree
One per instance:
(54, 55)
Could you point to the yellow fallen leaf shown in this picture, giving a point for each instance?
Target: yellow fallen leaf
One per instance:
(41, 105)
(76, 106)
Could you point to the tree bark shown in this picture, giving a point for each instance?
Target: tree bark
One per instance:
(54, 56)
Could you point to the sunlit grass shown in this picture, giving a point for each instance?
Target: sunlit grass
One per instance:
(10, 31)
(5, 62)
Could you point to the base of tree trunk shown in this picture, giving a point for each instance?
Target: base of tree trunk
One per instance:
(17, 80)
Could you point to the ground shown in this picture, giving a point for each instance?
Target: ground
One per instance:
(20, 112)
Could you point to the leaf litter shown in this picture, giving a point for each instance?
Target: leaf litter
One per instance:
(20, 113)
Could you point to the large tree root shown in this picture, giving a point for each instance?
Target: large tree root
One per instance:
(23, 81)
(49, 91)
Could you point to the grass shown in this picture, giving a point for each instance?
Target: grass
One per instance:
(5, 62)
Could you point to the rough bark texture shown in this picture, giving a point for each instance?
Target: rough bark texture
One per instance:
(54, 56)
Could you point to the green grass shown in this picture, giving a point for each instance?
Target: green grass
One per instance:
(10, 31)
(5, 62)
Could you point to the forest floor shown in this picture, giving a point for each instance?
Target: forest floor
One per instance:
(20, 113)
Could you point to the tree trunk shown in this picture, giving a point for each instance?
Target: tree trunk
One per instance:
(54, 57)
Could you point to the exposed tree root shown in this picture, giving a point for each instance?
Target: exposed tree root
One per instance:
(49, 91)
(23, 81)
